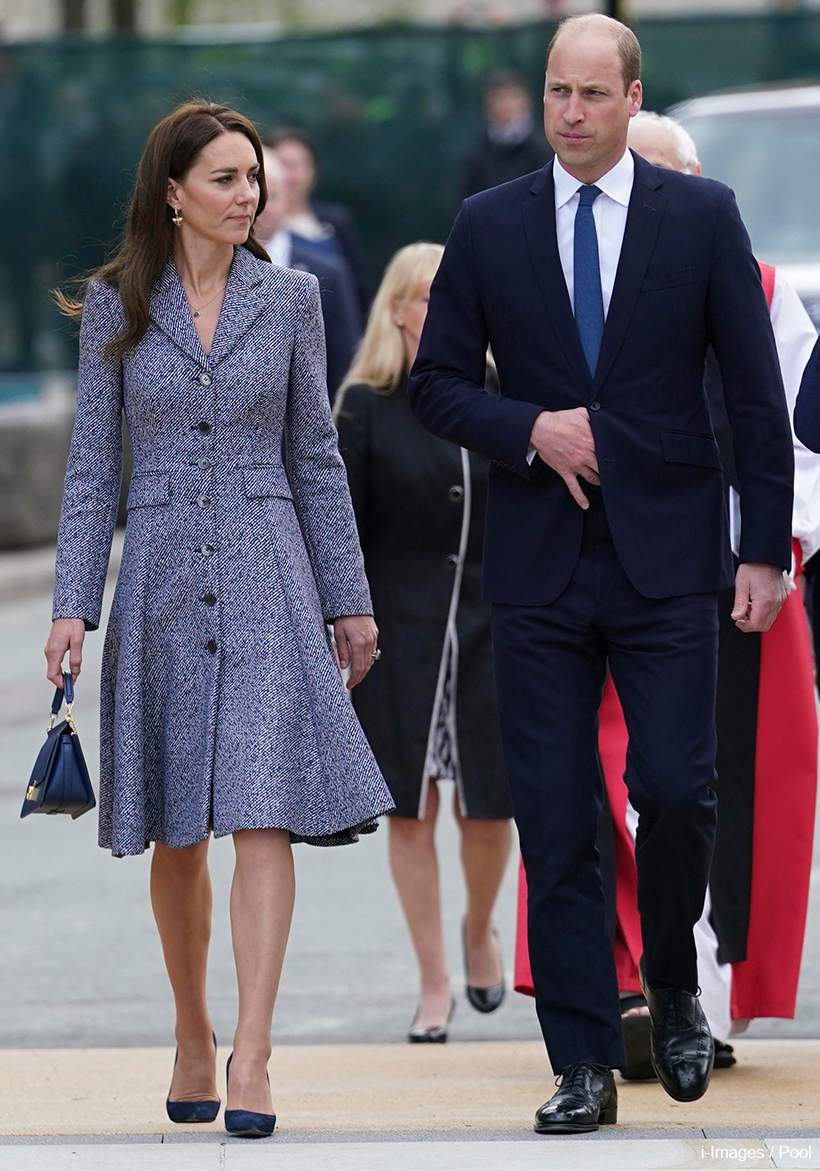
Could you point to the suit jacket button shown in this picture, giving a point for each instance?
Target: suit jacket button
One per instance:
(456, 493)
(596, 406)
(204, 426)
(205, 378)
(210, 645)
(451, 561)
(209, 599)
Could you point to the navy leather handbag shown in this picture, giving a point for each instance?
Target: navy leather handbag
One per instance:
(59, 780)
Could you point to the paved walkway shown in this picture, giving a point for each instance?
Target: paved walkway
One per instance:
(401, 1108)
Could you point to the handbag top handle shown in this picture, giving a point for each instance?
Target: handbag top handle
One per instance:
(66, 692)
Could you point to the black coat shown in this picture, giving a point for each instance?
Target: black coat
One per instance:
(490, 163)
(409, 496)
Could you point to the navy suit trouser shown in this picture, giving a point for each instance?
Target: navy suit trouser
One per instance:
(551, 664)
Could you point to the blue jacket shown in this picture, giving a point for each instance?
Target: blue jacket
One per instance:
(686, 279)
(340, 307)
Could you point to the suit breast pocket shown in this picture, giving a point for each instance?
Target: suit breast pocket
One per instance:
(657, 282)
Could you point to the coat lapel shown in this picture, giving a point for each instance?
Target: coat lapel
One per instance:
(244, 301)
(169, 310)
(542, 241)
(646, 208)
(242, 304)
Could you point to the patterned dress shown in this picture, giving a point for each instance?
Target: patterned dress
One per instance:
(222, 704)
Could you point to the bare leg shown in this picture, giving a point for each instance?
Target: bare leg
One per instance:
(485, 851)
(181, 899)
(415, 871)
(261, 911)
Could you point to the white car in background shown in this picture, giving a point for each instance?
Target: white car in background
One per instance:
(765, 143)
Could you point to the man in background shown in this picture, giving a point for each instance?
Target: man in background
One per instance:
(511, 143)
(339, 304)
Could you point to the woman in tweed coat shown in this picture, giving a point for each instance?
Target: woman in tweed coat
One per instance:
(223, 707)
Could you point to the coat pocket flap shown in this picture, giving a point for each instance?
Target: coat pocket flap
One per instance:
(684, 447)
(266, 481)
(149, 488)
(668, 280)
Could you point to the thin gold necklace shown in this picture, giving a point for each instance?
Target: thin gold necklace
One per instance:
(196, 312)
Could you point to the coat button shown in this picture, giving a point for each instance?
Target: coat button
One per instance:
(456, 493)
(208, 550)
(209, 599)
(205, 378)
(210, 645)
(596, 406)
(203, 463)
(203, 501)
(451, 561)
(204, 426)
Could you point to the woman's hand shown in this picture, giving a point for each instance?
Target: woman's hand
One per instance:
(67, 634)
(356, 640)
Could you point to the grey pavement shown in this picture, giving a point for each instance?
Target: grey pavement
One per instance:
(80, 963)
(568, 1154)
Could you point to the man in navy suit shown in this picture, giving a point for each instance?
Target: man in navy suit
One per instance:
(807, 407)
(600, 282)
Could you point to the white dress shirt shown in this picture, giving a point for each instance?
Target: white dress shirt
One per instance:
(280, 248)
(609, 212)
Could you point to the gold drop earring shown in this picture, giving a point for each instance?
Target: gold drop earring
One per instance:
(176, 218)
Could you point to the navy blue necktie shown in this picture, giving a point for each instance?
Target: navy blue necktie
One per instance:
(589, 300)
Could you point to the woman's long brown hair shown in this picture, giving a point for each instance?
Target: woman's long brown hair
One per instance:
(171, 150)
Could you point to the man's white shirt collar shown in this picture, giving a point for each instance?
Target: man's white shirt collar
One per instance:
(616, 183)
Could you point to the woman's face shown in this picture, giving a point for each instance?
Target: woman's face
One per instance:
(409, 314)
(219, 195)
(300, 171)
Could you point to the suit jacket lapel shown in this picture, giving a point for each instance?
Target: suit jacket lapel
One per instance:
(542, 241)
(244, 301)
(646, 208)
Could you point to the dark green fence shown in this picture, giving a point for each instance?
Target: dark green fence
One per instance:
(393, 112)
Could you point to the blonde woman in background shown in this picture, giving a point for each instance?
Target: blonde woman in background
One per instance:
(430, 715)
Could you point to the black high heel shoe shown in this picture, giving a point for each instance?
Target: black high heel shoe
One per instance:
(247, 1123)
(482, 999)
(205, 1111)
(437, 1035)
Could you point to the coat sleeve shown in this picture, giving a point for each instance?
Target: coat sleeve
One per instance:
(317, 474)
(807, 407)
(446, 388)
(94, 474)
(740, 331)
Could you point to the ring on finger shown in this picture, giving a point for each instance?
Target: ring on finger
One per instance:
(376, 655)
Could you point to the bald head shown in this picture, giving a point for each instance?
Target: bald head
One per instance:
(663, 142)
(595, 24)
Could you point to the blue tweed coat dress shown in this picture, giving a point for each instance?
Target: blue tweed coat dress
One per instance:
(222, 704)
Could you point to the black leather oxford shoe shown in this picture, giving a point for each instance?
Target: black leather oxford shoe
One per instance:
(683, 1052)
(587, 1098)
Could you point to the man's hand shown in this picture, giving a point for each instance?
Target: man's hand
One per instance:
(760, 591)
(356, 640)
(564, 440)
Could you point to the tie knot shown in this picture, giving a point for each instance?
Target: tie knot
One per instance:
(588, 195)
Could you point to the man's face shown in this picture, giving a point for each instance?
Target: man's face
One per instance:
(586, 112)
(269, 222)
(507, 104)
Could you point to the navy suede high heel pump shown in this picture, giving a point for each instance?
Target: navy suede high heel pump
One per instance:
(205, 1111)
(247, 1123)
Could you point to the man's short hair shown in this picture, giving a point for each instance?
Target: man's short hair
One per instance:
(503, 79)
(685, 147)
(629, 49)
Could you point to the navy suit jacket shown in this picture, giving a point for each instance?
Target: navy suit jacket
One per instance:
(686, 279)
(807, 407)
(340, 308)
